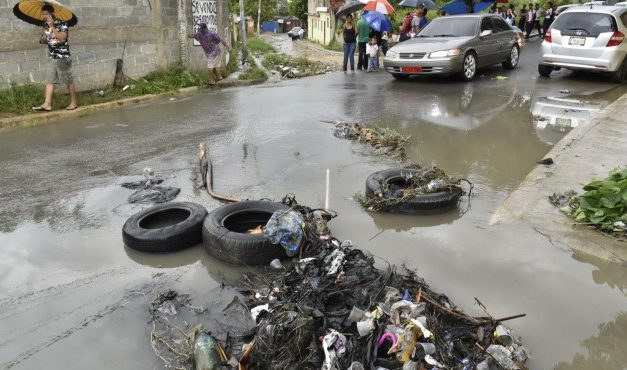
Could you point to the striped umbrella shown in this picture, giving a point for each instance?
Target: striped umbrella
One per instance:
(380, 6)
(30, 11)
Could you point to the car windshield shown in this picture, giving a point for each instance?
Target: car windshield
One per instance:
(450, 27)
(586, 24)
(296, 29)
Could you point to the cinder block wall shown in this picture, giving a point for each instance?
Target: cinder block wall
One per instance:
(144, 33)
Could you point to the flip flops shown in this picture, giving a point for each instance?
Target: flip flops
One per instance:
(71, 107)
(40, 109)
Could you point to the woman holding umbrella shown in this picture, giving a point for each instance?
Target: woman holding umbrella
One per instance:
(59, 69)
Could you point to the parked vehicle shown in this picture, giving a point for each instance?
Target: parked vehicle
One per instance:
(456, 45)
(296, 33)
(587, 38)
(621, 4)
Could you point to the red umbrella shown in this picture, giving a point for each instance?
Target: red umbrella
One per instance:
(381, 6)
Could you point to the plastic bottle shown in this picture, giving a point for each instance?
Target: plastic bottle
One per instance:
(206, 353)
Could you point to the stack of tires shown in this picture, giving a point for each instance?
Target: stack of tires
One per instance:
(225, 231)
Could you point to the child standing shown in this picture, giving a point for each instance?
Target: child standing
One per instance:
(373, 52)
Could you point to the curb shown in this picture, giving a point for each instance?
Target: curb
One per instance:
(36, 119)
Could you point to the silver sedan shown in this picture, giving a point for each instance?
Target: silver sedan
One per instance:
(456, 45)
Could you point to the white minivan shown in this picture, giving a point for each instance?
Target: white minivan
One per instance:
(587, 38)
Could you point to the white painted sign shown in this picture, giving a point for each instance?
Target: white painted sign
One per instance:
(205, 11)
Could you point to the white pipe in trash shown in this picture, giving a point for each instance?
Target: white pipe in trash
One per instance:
(326, 198)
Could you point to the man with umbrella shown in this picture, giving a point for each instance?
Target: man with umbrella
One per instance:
(363, 36)
(59, 69)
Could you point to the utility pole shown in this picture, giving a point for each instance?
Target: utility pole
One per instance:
(258, 17)
(243, 28)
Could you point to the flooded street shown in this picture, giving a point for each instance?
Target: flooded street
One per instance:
(72, 296)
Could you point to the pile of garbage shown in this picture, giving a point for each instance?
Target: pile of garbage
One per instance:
(603, 205)
(148, 189)
(330, 308)
(384, 140)
(289, 67)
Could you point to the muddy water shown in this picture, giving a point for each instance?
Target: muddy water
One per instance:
(71, 295)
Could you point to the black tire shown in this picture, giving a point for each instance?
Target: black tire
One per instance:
(422, 202)
(621, 73)
(167, 227)
(399, 76)
(544, 71)
(513, 58)
(469, 62)
(229, 245)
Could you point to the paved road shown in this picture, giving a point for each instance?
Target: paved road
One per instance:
(71, 295)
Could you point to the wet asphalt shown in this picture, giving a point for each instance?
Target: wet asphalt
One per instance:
(72, 296)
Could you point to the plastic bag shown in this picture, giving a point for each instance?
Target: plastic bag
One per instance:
(285, 228)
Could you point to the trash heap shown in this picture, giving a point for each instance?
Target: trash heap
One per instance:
(425, 180)
(289, 67)
(330, 308)
(384, 140)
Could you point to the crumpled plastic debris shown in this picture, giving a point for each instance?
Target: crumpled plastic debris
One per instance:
(256, 311)
(147, 191)
(333, 262)
(334, 347)
(402, 311)
(503, 356)
(286, 229)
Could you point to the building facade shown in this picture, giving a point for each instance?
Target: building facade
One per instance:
(145, 34)
(320, 21)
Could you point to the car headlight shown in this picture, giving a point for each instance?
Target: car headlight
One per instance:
(392, 54)
(445, 53)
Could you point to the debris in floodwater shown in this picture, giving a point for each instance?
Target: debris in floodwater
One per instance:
(384, 140)
(333, 309)
(147, 190)
(546, 161)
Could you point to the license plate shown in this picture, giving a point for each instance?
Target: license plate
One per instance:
(562, 122)
(411, 69)
(577, 41)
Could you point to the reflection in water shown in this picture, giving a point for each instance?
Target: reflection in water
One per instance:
(612, 274)
(225, 273)
(166, 260)
(396, 222)
(606, 351)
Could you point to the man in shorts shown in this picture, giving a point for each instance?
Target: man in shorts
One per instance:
(59, 69)
(210, 42)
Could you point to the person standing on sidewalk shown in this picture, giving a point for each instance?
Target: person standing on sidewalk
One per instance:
(210, 42)
(350, 42)
(549, 17)
(537, 14)
(59, 68)
(529, 21)
(522, 23)
(363, 35)
(373, 55)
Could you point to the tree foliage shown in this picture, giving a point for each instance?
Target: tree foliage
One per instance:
(268, 8)
(298, 8)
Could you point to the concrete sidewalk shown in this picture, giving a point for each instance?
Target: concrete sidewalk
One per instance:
(588, 152)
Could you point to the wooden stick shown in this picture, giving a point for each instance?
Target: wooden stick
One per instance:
(449, 311)
(510, 317)
(210, 182)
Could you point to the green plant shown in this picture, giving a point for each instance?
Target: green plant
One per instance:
(335, 45)
(256, 45)
(253, 73)
(604, 204)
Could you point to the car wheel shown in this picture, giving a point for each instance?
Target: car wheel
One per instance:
(621, 73)
(469, 66)
(512, 60)
(399, 76)
(544, 71)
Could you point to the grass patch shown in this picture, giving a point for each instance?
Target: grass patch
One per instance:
(253, 73)
(18, 99)
(335, 45)
(256, 46)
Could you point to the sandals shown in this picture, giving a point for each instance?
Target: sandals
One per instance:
(40, 109)
(70, 107)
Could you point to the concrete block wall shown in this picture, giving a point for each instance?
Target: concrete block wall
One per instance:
(144, 33)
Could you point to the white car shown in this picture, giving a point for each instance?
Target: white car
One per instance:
(587, 38)
(296, 33)
(622, 4)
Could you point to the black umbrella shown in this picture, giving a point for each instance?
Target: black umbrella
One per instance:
(350, 7)
(30, 11)
(428, 4)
